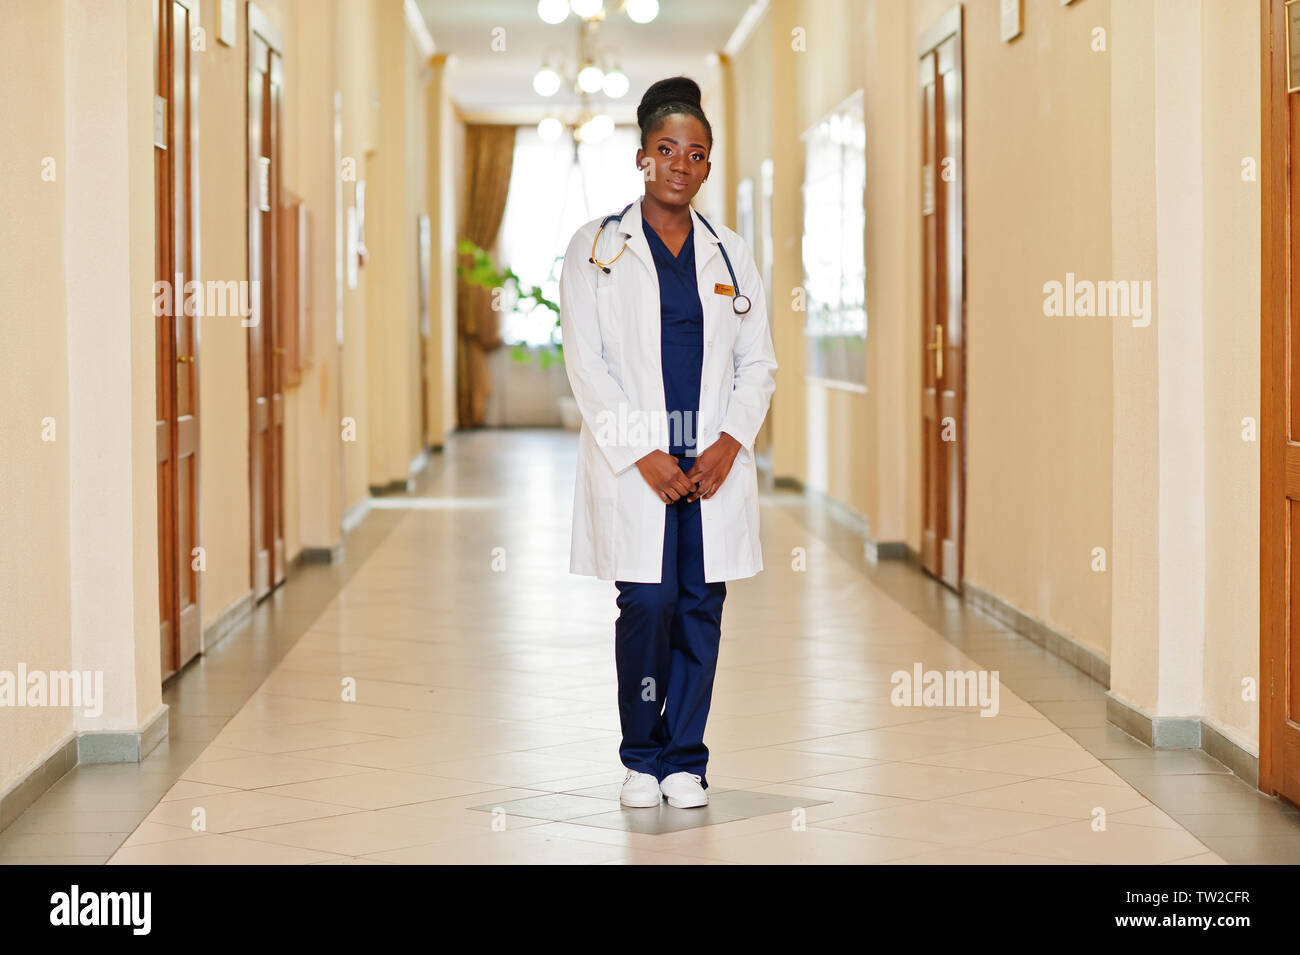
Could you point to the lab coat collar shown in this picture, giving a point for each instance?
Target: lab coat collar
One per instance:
(706, 243)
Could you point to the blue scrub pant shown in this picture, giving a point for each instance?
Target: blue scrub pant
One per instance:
(666, 652)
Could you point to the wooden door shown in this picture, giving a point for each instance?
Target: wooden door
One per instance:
(294, 281)
(943, 378)
(265, 348)
(1279, 695)
(176, 332)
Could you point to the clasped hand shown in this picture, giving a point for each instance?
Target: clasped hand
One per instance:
(710, 468)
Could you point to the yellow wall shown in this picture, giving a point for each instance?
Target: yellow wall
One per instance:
(1063, 450)
(1039, 389)
(223, 349)
(78, 581)
(84, 505)
(446, 131)
(1037, 437)
(374, 377)
(357, 49)
(34, 505)
(1231, 133)
(1063, 413)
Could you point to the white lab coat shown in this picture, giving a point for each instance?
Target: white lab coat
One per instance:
(611, 325)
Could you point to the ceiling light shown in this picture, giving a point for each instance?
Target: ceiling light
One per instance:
(597, 128)
(642, 11)
(590, 78)
(546, 82)
(616, 83)
(553, 11)
(586, 8)
(550, 129)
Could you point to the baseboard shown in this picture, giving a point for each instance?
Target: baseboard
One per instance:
(231, 619)
(1217, 742)
(419, 462)
(355, 515)
(1183, 732)
(31, 785)
(133, 747)
(320, 555)
(115, 746)
(90, 747)
(1054, 641)
(1158, 732)
(876, 551)
(400, 486)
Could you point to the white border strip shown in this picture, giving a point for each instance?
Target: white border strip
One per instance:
(740, 36)
(419, 29)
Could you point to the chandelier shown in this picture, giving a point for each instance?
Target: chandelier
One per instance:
(592, 71)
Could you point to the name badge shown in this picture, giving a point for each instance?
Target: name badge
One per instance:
(720, 289)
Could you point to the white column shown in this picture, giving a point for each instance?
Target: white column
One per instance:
(109, 175)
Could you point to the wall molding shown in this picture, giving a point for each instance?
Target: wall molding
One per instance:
(118, 746)
(400, 486)
(32, 784)
(1183, 732)
(320, 555)
(1218, 743)
(1068, 648)
(355, 515)
(876, 551)
(114, 746)
(231, 619)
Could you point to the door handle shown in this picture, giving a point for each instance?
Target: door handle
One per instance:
(184, 358)
(937, 345)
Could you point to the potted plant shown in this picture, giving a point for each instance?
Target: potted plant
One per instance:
(485, 273)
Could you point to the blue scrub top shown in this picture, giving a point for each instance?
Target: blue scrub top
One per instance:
(681, 324)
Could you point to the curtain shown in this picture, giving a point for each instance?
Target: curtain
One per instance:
(551, 197)
(489, 158)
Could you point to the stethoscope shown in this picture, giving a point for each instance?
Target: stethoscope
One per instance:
(736, 299)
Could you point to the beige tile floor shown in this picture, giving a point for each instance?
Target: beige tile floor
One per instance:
(453, 701)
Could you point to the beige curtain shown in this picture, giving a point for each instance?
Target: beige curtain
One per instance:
(489, 157)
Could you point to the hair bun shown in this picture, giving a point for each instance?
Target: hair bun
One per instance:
(674, 89)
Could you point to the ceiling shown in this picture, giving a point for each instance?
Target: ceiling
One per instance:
(492, 85)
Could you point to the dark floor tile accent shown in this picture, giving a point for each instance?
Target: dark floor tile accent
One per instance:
(1271, 849)
(1202, 824)
(1106, 742)
(1158, 762)
(604, 812)
(1075, 714)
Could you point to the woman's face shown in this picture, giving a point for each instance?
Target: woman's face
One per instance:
(675, 159)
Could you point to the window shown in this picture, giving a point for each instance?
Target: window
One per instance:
(835, 330)
(550, 198)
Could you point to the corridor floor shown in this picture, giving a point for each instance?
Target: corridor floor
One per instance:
(454, 702)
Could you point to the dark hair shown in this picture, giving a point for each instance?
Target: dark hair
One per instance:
(676, 94)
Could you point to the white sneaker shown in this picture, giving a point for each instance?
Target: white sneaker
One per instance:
(640, 791)
(684, 791)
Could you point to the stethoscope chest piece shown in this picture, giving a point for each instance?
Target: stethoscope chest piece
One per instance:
(739, 303)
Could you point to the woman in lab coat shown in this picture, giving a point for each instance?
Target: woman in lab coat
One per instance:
(669, 352)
